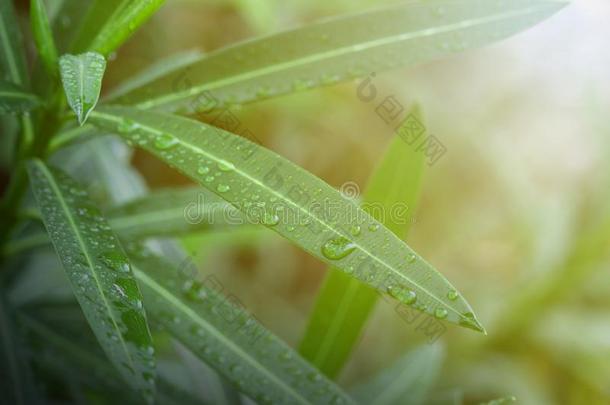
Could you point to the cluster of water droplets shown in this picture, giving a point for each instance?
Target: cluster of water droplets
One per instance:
(100, 274)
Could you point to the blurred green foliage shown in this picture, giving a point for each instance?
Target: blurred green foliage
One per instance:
(516, 214)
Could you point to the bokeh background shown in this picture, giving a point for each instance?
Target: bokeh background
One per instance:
(515, 214)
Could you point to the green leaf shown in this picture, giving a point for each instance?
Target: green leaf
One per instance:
(95, 16)
(344, 303)
(340, 49)
(12, 58)
(16, 382)
(109, 23)
(260, 14)
(71, 135)
(211, 386)
(274, 192)
(110, 168)
(43, 37)
(82, 76)
(69, 21)
(408, 381)
(99, 272)
(71, 355)
(155, 71)
(14, 99)
(220, 331)
(171, 212)
(501, 401)
(13, 64)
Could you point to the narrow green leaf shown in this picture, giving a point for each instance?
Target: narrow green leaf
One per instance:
(9, 126)
(155, 71)
(15, 376)
(13, 64)
(172, 212)
(99, 271)
(260, 14)
(12, 58)
(68, 22)
(82, 76)
(341, 49)
(211, 386)
(43, 36)
(95, 16)
(72, 355)
(14, 99)
(344, 303)
(109, 23)
(71, 135)
(274, 192)
(501, 401)
(110, 167)
(407, 382)
(227, 338)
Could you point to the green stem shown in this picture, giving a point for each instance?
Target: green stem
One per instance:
(31, 147)
(67, 137)
(12, 199)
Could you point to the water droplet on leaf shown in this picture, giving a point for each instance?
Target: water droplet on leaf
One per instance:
(336, 249)
(225, 166)
(223, 188)
(165, 141)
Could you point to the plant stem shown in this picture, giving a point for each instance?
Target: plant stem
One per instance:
(32, 147)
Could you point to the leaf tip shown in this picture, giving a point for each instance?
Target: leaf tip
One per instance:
(469, 320)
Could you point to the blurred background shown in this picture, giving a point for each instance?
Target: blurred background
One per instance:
(515, 214)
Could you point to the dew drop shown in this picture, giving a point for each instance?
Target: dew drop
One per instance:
(452, 295)
(165, 141)
(223, 188)
(193, 290)
(127, 126)
(402, 294)
(468, 320)
(355, 230)
(262, 92)
(300, 85)
(225, 166)
(286, 355)
(440, 313)
(271, 219)
(203, 170)
(411, 258)
(336, 249)
(373, 227)
(394, 291)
